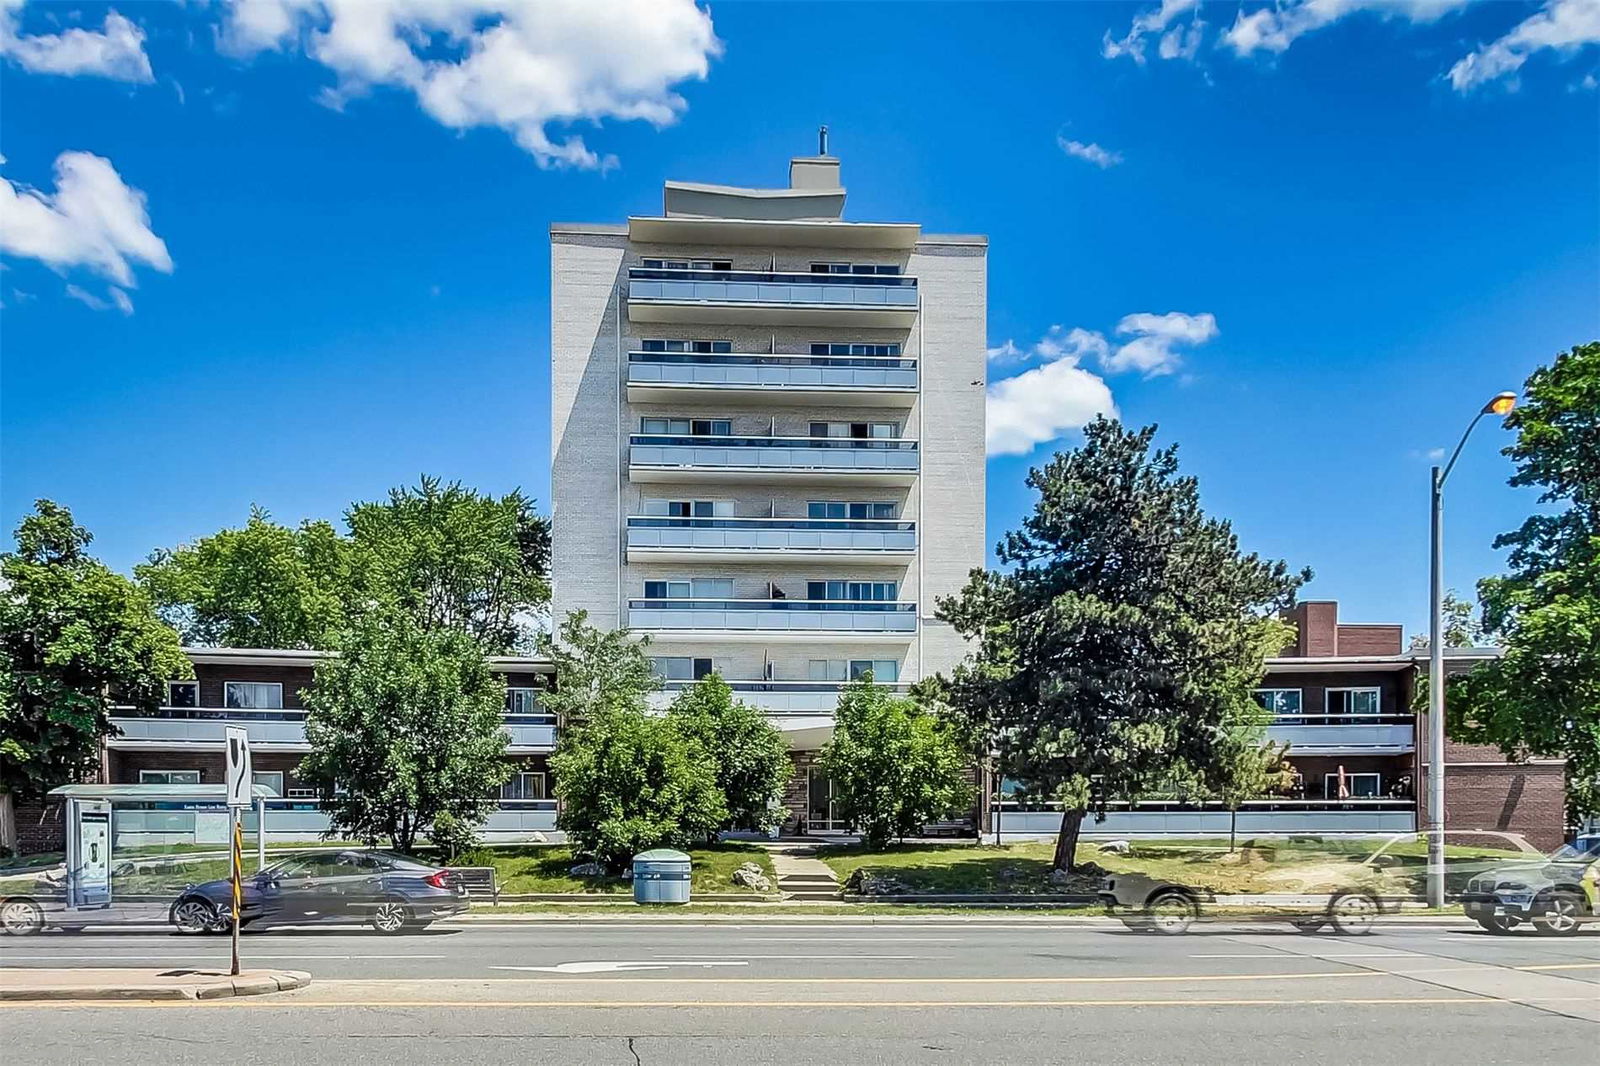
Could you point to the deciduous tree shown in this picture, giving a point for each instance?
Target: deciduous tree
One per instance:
(893, 766)
(406, 734)
(1541, 698)
(750, 758)
(1126, 630)
(75, 639)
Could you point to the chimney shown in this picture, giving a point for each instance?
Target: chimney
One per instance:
(819, 172)
(1317, 627)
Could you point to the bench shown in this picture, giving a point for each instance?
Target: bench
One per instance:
(479, 881)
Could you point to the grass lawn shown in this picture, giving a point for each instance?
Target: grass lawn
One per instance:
(1275, 866)
(543, 868)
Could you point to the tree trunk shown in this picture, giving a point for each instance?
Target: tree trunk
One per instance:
(1067, 840)
(8, 824)
(1233, 827)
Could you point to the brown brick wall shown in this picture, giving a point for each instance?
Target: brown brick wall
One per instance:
(1529, 799)
(1317, 625)
(1369, 640)
(212, 677)
(1313, 688)
(41, 827)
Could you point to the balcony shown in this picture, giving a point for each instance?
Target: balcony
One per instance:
(802, 460)
(279, 730)
(1327, 734)
(1361, 817)
(777, 697)
(289, 821)
(758, 620)
(841, 381)
(760, 298)
(739, 540)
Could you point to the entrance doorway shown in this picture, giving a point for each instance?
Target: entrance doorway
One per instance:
(822, 815)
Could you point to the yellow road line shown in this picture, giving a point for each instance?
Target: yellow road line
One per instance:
(626, 1004)
(359, 982)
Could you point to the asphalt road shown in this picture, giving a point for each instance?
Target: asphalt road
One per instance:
(746, 993)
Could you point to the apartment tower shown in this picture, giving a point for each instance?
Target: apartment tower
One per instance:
(768, 443)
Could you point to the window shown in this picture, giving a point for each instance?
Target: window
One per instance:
(699, 427)
(681, 667)
(856, 430)
(859, 591)
(1353, 701)
(854, 268)
(844, 509)
(688, 264)
(829, 348)
(252, 695)
(699, 588)
(698, 347)
(522, 701)
(1281, 702)
(273, 779)
(884, 671)
(690, 508)
(183, 693)
(169, 777)
(523, 786)
(1357, 786)
(302, 793)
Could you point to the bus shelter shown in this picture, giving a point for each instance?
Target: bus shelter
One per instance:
(131, 849)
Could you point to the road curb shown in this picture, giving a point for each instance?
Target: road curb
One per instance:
(78, 986)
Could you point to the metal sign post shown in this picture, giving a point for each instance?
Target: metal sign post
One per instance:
(239, 780)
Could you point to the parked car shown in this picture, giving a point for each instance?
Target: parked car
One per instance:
(389, 892)
(1555, 895)
(1310, 884)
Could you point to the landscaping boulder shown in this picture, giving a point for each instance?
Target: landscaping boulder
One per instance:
(587, 869)
(864, 881)
(1116, 847)
(749, 875)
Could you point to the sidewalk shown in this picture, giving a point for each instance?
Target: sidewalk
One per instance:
(17, 983)
(801, 875)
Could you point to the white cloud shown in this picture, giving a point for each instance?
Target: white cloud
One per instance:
(1275, 28)
(93, 221)
(116, 299)
(520, 65)
(1041, 404)
(1153, 23)
(1057, 343)
(1089, 152)
(1151, 351)
(1563, 25)
(116, 51)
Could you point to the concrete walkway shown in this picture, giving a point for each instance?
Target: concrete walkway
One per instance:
(801, 875)
(99, 984)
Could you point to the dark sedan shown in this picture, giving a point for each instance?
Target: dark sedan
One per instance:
(389, 892)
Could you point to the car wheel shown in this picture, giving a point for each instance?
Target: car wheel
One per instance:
(1309, 925)
(1353, 914)
(1560, 916)
(21, 917)
(1171, 913)
(390, 916)
(1501, 926)
(193, 916)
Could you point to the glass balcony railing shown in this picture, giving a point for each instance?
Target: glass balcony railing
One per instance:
(775, 616)
(887, 291)
(1345, 733)
(275, 728)
(842, 455)
(650, 533)
(778, 697)
(777, 372)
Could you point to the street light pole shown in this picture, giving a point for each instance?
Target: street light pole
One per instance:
(1500, 405)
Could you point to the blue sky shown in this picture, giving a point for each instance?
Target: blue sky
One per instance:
(342, 280)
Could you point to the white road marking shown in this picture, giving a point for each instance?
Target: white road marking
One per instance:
(1322, 955)
(856, 939)
(246, 953)
(611, 967)
(802, 956)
